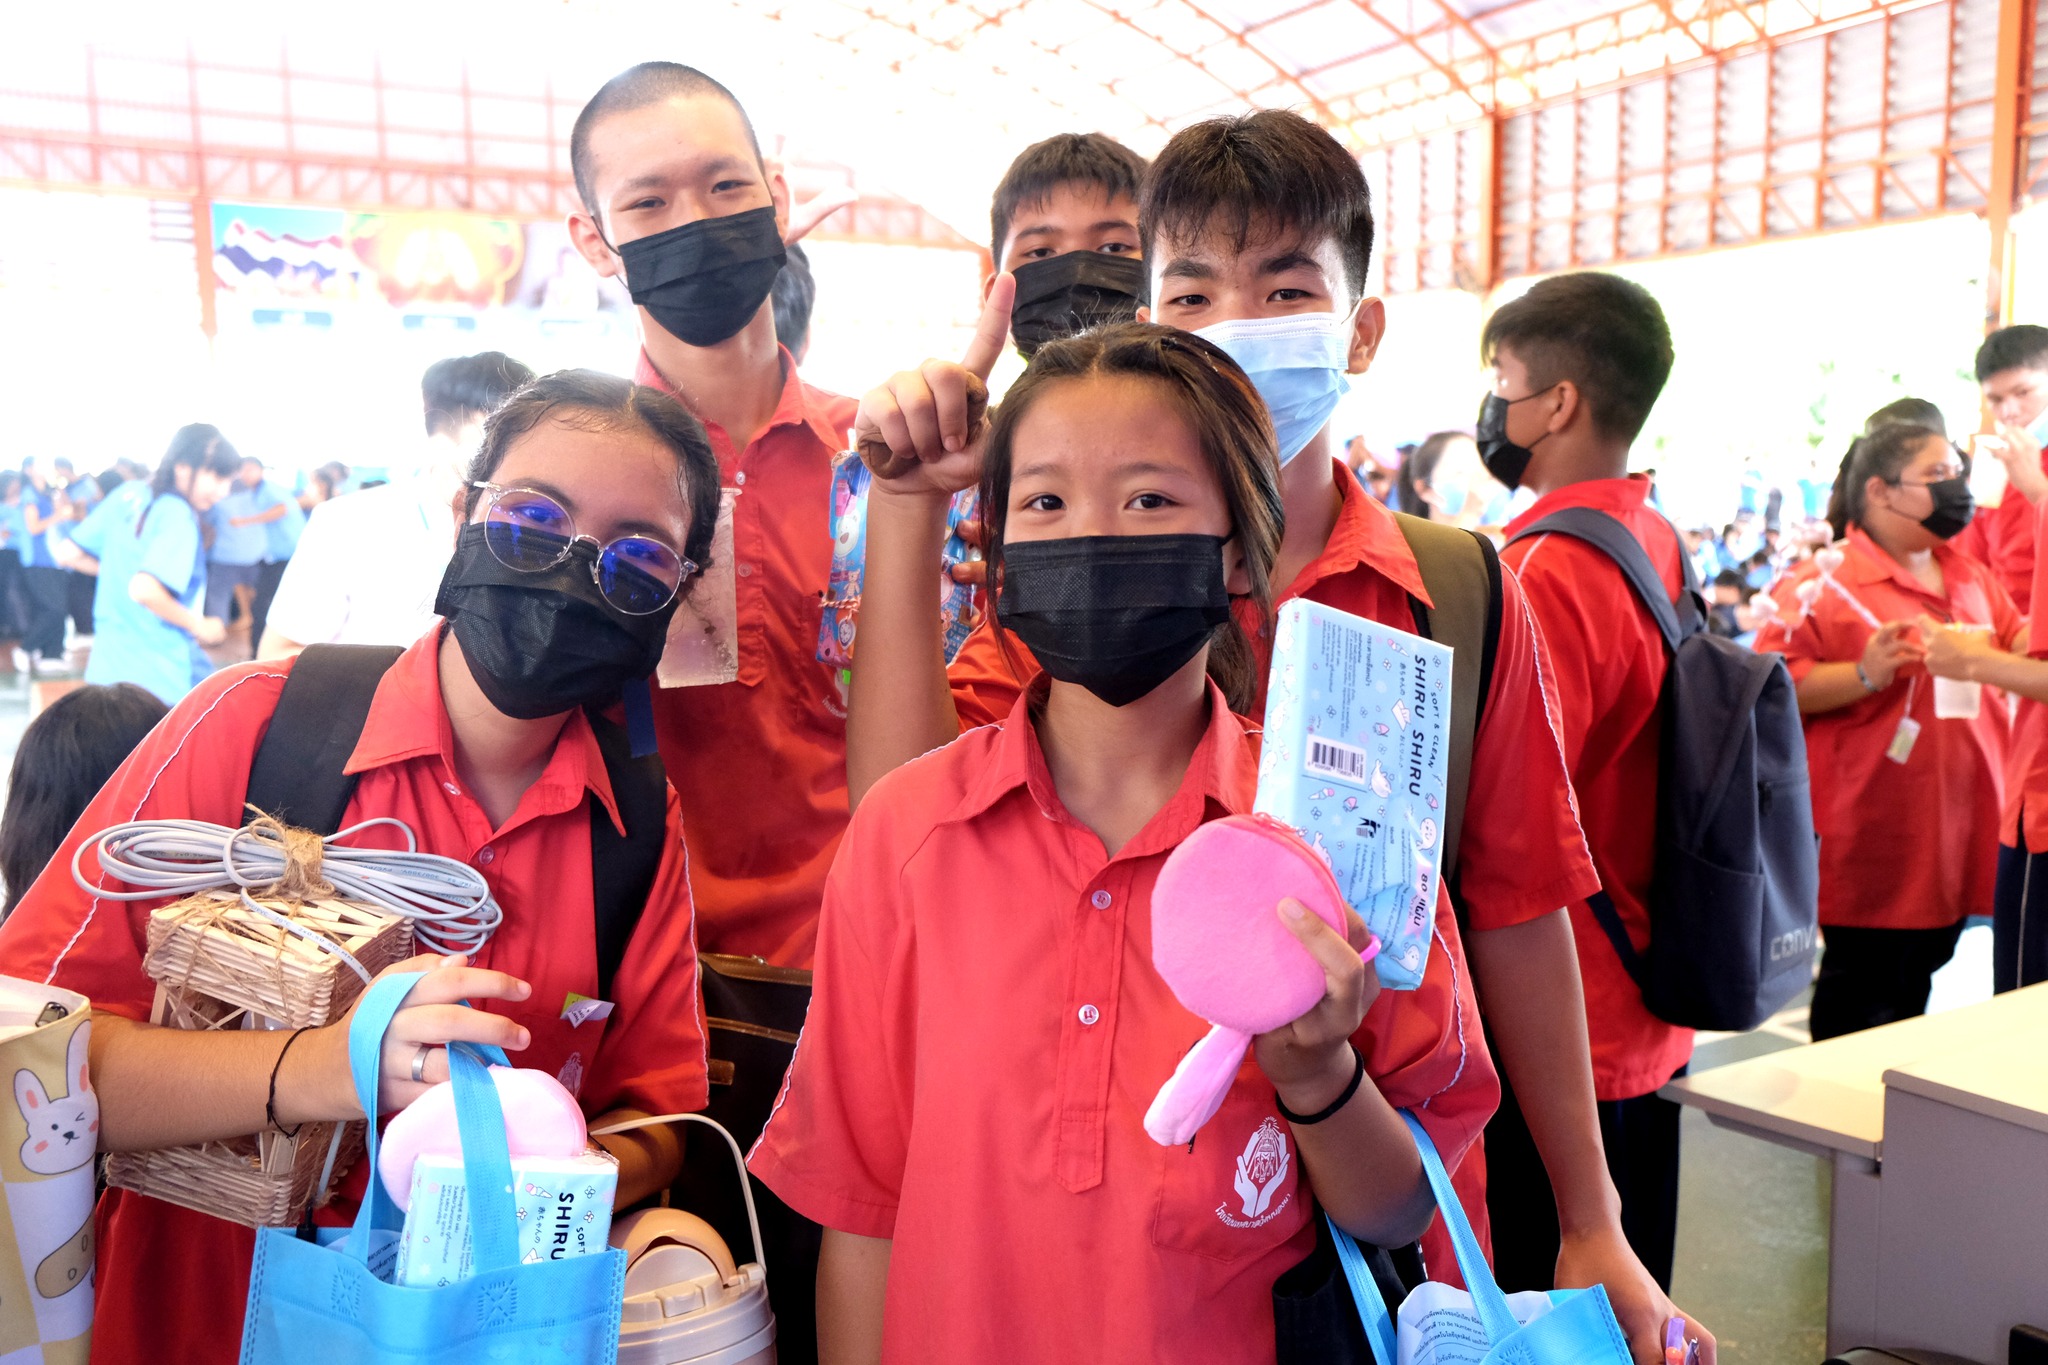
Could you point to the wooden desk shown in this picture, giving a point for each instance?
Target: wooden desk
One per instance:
(1831, 1099)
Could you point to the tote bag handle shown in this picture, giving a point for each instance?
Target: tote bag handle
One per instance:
(486, 1156)
(1492, 1306)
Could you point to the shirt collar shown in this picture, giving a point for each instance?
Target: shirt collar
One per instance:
(799, 405)
(1221, 775)
(408, 720)
(1627, 494)
(1868, 563)
(1365, 536)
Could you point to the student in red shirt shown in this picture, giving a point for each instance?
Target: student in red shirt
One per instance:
(966, 1109)
(1578, 362)
(678, 202)
(1064, 221)
(1258, 231)
(2012, 373)
(1906, 804)
(477, 741)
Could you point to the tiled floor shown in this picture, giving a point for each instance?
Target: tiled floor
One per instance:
(1752, 1218)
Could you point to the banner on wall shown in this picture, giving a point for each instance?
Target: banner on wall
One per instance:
(407, 260)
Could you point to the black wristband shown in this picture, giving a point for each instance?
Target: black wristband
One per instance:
(270, 1104)
(1304, 1120)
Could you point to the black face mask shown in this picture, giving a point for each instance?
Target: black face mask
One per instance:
(705, 280)
(1953, 507)
(1069, 293)
(540, 644)
(1117, 615)
(1503, 459)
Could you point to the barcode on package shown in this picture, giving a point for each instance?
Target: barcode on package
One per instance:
(1328, 758)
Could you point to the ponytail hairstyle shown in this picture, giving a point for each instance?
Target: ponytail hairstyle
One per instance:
(1229, 420)
(1911, 412)
(1883, 454)
(197, 446)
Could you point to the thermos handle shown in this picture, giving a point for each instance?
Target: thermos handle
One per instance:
(739, 1160)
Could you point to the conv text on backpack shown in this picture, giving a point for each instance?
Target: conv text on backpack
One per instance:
(1355, 759)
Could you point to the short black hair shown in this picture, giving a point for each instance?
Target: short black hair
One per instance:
(64, 756)
(635, 88)
(463, 387)
(1064, 159)
(1604, 333)
(2024, 347)
(1255, 172)
(1728, 578)
(794, 292)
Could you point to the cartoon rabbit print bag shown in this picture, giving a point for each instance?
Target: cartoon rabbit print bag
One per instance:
(51, 1132)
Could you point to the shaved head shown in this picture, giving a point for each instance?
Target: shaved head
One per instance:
(636, 88)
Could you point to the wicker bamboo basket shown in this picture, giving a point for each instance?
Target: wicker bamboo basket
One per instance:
(220, 965)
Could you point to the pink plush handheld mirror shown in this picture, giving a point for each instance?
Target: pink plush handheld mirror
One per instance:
(541, 1119)
(1219, 943)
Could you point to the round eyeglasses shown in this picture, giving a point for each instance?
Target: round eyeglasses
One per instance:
(532, 533)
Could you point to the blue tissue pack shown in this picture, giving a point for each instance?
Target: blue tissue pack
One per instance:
(1355, 758)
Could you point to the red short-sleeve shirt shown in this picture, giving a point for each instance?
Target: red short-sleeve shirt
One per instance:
(1522, 854)
(987, 1033)
(1908, 845)
(2024, 823)
(172, 1283)
(1608, 662)
(760, 764)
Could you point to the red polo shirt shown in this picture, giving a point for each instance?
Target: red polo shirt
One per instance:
(987, 1033)
(2002, 538)
(760, 764)
(2024, 822)
(1522, 854)
(172, 1283)
(1908, 845)
(1608, 662)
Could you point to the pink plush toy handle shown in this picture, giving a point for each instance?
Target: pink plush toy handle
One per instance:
(1195, 1090)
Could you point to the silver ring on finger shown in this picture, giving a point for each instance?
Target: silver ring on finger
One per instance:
(419, 1061)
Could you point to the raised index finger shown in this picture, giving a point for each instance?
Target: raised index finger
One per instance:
(992, 333)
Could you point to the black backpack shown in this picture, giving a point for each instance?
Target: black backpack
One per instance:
(1734, 901)
(297, 777)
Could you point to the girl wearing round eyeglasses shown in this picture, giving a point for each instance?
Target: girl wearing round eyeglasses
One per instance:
(591, 502)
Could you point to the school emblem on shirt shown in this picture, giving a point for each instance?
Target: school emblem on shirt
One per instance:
(1261, 1171)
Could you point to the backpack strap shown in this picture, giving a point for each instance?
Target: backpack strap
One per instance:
(297, 777)
(297, 774)
(1675, 620)
(1462, 575)
(623, 867)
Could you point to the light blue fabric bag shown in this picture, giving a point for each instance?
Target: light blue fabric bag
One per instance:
(322, 1301)
(1579, 1329)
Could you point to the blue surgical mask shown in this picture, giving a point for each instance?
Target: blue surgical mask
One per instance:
(2039, 430)
(1296, 363)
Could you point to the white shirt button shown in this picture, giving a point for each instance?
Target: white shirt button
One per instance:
(451, 789)
(1100, 900)
(740, 478)
(746, 571)
(487, 855)
(1089, 1014)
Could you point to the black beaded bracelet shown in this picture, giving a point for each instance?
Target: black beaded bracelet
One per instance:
(1304, 1120)
(270, 1104)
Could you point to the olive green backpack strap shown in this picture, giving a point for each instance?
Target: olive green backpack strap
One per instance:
(1461, 572)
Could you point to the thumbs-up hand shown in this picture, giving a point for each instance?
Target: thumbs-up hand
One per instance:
(923, 431)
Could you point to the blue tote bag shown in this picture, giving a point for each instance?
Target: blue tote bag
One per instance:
(1579, 1329)
(322, 1301)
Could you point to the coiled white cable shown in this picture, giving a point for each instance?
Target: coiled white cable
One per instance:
(449, 902)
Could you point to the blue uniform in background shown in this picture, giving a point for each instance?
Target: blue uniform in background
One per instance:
(131, 643)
